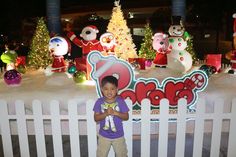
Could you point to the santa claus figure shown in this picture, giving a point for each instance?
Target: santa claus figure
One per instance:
(108, 42)
(232, 54)
(88, 42)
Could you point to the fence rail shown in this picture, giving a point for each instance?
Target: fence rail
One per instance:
(145, 117)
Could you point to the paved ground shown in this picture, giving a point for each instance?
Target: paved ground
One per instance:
(136, 144)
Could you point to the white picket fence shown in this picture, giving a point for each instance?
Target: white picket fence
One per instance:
(72, 117)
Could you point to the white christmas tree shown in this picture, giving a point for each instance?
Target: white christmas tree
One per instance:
(125, 47)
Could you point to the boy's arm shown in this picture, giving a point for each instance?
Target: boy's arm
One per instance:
(100, 116)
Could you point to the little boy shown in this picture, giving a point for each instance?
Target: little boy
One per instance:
(110, 110)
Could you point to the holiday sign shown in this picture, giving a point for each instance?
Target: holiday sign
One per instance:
(138, 89)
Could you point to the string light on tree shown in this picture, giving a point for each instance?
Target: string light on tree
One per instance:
(146, 50)
(190, 47)
(39, 56)
(118, 26)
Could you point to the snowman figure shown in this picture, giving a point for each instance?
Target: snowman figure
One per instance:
(176, 29)
(58, 47)
(179, 59)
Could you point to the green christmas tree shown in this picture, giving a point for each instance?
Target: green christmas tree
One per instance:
(125, 47)
(190, 48)
(146, 50)
(39, 56)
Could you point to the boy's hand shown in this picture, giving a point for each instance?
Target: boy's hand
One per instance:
(110, 111)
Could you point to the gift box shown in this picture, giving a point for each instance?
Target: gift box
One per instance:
(20, 60)
(214, 60)
(141, 62)
(82, 65)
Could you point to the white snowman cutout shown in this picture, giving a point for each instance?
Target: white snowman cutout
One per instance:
(58, 47)
(179, 59)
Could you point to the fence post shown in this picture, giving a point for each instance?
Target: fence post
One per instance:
(199, 128)
(91, 129)
(56, 128)
(232, 131)
(74, 128)
(22, 128)
(145, 127)
(181, 128)
(128, 128)
(217, 125)
(163, 132)
(5, 130)
(39, 128)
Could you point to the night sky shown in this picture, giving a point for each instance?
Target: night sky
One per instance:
(13, 11)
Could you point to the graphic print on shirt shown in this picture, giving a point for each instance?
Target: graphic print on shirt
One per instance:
(109, 121)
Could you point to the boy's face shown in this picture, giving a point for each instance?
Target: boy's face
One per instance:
(109, 91)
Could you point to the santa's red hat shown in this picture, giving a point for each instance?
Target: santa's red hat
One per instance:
(93, 28)
(234, 25)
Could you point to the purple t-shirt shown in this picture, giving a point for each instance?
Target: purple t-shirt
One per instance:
(122, 107)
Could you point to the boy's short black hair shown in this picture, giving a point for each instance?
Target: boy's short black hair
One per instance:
(109, 79)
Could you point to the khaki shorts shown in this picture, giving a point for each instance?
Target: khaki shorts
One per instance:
(118, 144)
